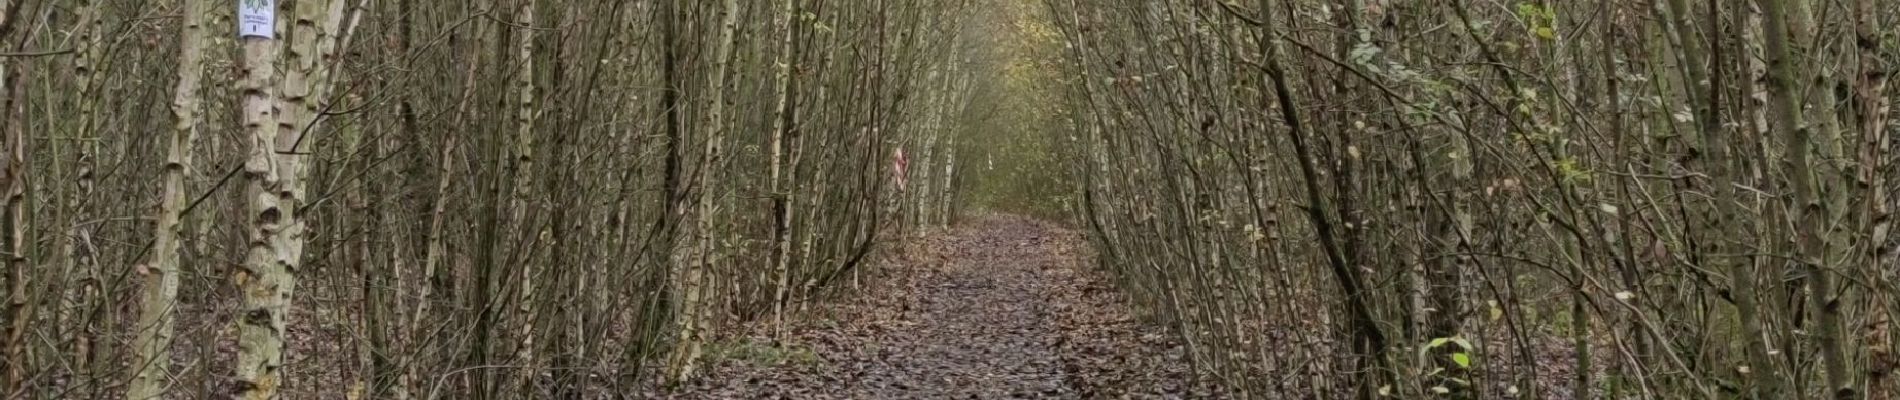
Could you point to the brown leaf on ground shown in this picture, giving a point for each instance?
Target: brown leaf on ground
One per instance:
(1000, 308)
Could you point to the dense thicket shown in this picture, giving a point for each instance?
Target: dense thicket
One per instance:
(1324, 198)
(1531, 199)
(447, 199)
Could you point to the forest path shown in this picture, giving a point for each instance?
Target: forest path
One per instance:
(997, 308)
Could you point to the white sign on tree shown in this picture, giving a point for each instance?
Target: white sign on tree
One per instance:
(257, 18)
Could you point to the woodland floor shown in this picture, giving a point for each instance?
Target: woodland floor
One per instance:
(997, 308)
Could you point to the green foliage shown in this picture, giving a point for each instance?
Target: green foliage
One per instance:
(1458, 350)
(761, 353)
(1570, 171)
(1016, 132)
(1463, 345)
(1540, 20)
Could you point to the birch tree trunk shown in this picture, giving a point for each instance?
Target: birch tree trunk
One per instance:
(519, 201)
(785, 119)
(694, 260)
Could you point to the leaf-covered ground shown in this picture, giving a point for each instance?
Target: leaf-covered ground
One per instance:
(999, 308)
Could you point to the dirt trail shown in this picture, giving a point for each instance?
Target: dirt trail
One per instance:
(995, 309)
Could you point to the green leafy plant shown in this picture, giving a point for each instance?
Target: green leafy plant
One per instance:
(1459, 352)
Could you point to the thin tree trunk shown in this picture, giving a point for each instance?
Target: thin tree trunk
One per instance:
(695, 260)
(519, 203)
(1745, 274)
(13, 180)
(1876, 162)
(1366, 334)
(1807, 208)
(786, 119)
(77, 252)
(436, 247)
(13, 224)
(151, 355)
